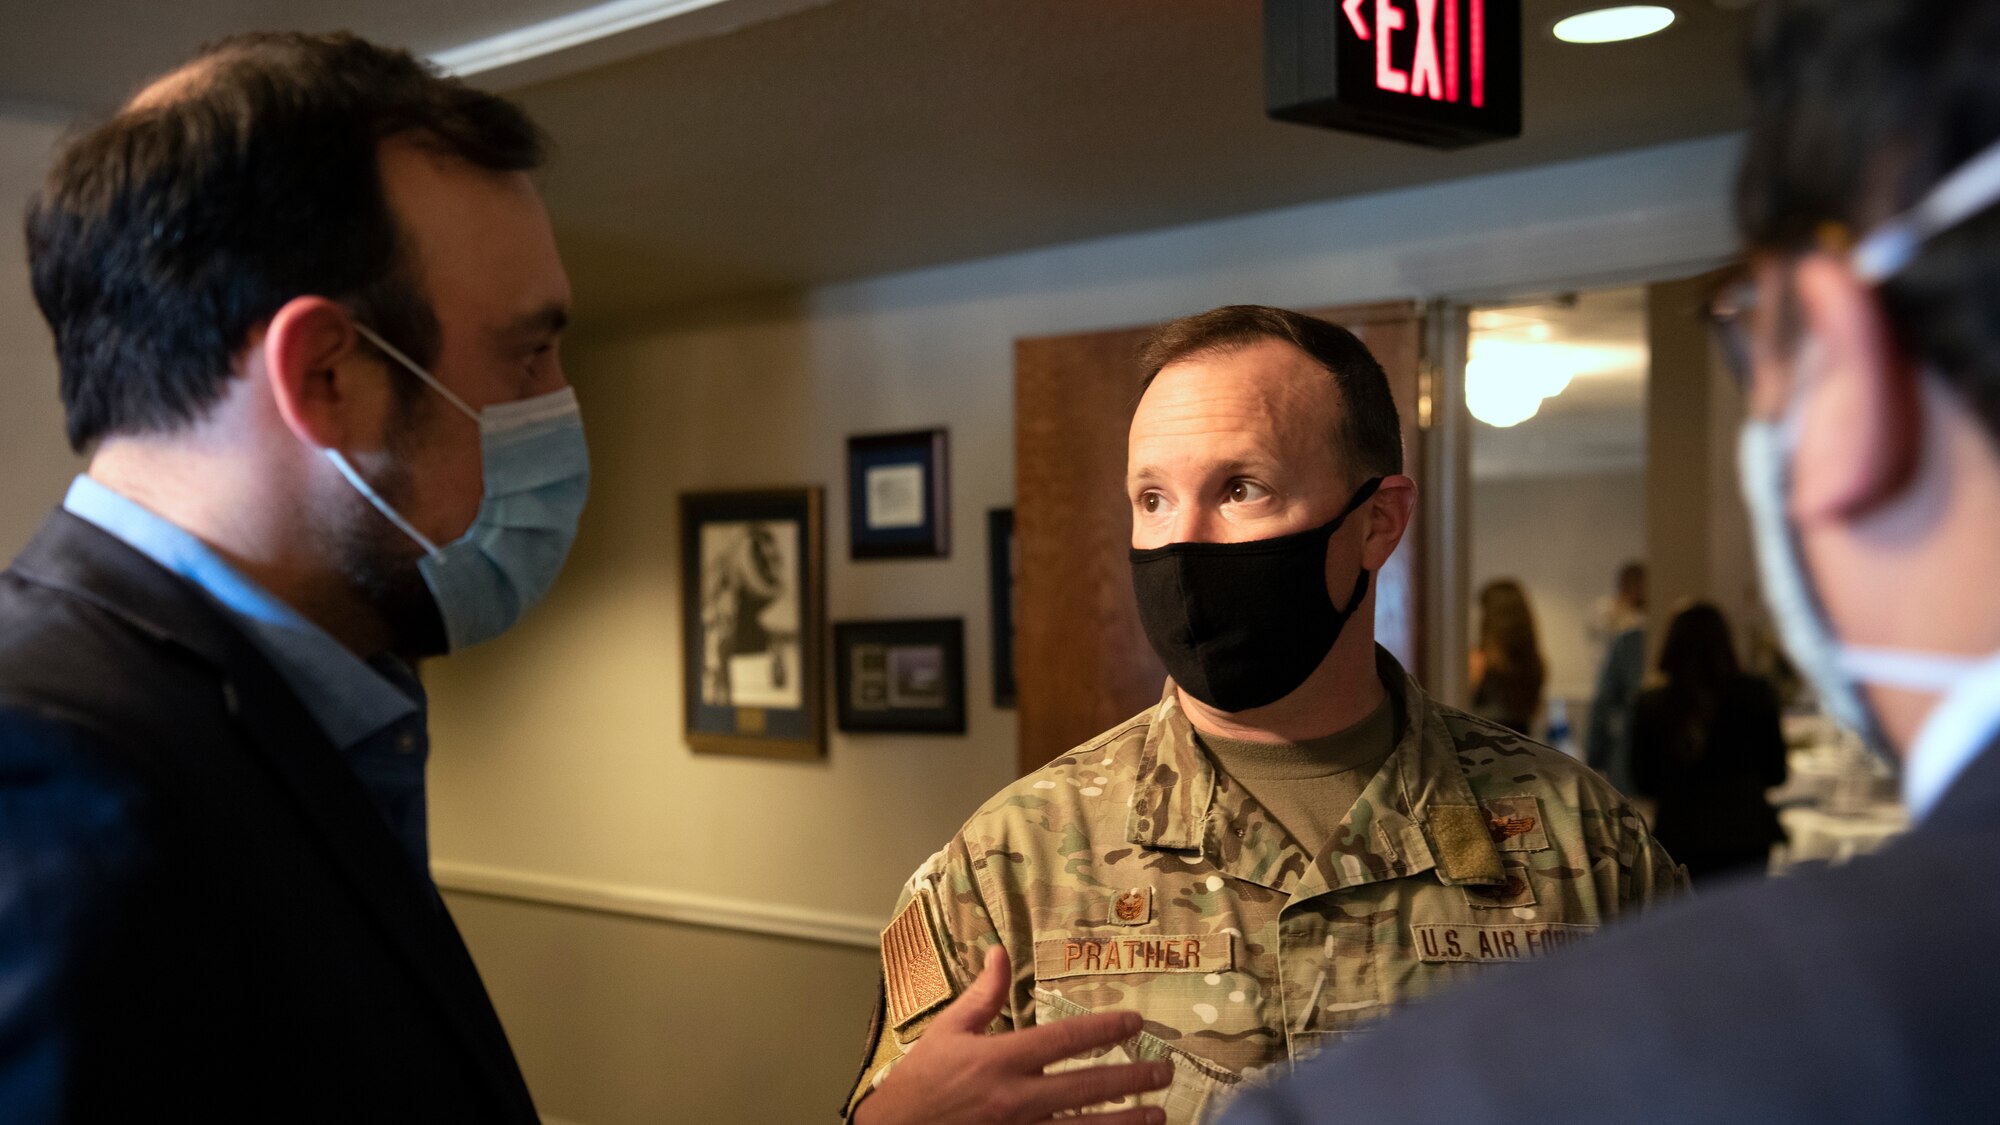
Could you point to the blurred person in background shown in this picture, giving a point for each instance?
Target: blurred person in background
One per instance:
(1621, 672)
(1508, 671)
(1624, 610)
(1706, 744)
(1867, 330)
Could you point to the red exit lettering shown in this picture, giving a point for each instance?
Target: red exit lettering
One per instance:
(1434, 64)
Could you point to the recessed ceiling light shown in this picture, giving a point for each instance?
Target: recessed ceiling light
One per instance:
(1611, 25)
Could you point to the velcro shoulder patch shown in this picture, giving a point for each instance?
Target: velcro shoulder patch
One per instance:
(913, 976)
(1464, 852)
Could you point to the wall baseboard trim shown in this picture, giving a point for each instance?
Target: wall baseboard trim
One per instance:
(660, 905)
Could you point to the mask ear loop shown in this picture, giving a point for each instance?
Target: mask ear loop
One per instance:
(1972, 188)
(415, 368)
(347, 469)
(1361, 496)
(369, 494)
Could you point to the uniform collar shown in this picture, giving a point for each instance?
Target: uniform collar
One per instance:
(1416, 814)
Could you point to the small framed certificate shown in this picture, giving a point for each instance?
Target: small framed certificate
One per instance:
(898, 497)
(900, 675)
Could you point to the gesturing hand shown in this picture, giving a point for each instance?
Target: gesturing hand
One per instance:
(959, 1075)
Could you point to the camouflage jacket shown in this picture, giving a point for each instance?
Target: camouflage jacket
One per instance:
(1131, 873)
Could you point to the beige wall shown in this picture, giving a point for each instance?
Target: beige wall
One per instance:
(35, 464)
(1564, 538)
(620, 1019)
(1697, 533)
(560, 768)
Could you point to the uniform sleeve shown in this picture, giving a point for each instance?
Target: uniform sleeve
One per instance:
(932, 950)
(1647, 875)
(70, 851)
(1653, 877)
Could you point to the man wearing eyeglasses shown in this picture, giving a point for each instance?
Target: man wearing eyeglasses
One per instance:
(1868, 333)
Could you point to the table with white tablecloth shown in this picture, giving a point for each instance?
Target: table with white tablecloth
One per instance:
(1839, 801)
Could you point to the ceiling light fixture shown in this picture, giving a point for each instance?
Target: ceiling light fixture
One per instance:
(1614, 25)
(572, 29)
(1506, 382)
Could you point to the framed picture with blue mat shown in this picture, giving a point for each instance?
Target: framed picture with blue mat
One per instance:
(898, 495)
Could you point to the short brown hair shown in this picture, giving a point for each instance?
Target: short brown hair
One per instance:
(1370, 435)
(165, 234)
(1858, 109)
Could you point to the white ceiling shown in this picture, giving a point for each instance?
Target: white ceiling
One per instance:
(761, 145)
(91, 54)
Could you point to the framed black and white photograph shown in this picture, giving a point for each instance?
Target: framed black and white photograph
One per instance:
(900, 675)
(753, 590)
(1002, 570)
(898, 495)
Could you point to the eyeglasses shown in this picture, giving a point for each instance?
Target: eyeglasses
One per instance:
(1728, 315)
(1880, 255)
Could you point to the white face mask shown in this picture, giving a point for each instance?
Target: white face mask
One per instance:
(1837, 670)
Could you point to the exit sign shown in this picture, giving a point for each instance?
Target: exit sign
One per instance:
(1444, 73)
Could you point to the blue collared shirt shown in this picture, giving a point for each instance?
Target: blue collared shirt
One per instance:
(1963, 725)
(373, 712)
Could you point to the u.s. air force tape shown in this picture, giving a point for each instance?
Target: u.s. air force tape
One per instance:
(1453, 941)
(913, 976)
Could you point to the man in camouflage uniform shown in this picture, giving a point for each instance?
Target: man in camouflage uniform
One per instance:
(1252, 915)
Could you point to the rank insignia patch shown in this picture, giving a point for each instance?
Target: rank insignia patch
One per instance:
(1131, 907)
(913, 976)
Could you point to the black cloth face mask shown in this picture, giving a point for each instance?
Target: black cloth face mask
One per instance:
(1241, 625)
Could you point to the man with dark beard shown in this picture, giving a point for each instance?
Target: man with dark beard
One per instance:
(305, 302)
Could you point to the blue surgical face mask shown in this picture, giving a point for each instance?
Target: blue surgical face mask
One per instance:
(536, 469)
(1764, 462)
(1837, 670)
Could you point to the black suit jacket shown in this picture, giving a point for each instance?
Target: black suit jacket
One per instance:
(1865, 993)
(202, 915)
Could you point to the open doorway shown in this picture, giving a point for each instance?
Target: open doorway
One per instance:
(1557, 393)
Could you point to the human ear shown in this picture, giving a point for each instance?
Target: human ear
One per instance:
(310, 351)
(1388, 517)
(1861, 428)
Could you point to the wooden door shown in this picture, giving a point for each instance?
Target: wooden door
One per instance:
(1082, 663)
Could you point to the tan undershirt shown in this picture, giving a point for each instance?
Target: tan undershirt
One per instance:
(1310, 786)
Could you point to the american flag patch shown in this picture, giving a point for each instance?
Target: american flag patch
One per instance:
(912, 971)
